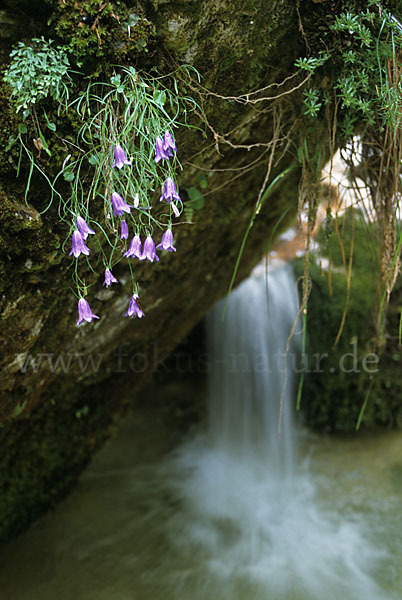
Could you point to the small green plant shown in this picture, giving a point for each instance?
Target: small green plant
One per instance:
(19, 409)
(312, 63)
(82, 412)
(196, 199)
(312, 102)
(37, 71)
(363, 54)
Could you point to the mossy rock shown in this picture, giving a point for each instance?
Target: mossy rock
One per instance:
(99, 33)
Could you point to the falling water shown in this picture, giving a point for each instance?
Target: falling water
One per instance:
(250, 383)
(250, 513)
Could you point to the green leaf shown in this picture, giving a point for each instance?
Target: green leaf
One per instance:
(162, 98)
(19, 409)
(189, 213)
(11, 141)
(93, 160)
(115, 80)
(50, 125)
(141, 44)
(300, 154)
(197, 200)
(44, 143)
(202, 182)
(133, 20)
(68, 175)
(22, 128)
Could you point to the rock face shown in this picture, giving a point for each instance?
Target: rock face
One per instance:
(63, 388)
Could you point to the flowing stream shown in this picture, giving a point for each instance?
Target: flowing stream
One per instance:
(249, 507)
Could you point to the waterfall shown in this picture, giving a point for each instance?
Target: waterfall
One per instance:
(250, 382)
(249, 518)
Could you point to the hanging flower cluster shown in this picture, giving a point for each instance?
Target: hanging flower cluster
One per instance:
(165, 149)
(123, 153)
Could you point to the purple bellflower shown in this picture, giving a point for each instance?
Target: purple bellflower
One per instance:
(167, 242)
(84, 312)
(109, 278)
(168, 144)
(169, 191)
(160, 153)
(78, 245)
(120, 158)
(119, 205)
(135, 308)
(134, 249)
(149, 250)
(84, 228)
(124, 231)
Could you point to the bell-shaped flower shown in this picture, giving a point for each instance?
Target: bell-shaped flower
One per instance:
(135, 308)
(167, 242)
(119, 205)
(168, 144)
(160, 153)
(120, 158)
(134, 249)
(109, 278)
(149, 250)
(78, 245)
(84, 228)
(169, 191)
(124, 231)
(84, 312)
(175, 209)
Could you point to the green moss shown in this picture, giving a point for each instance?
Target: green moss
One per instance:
(8, 129)
(22, 230)
(94, 30)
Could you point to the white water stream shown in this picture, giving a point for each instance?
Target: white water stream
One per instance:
(248, 505)
(240, 511)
